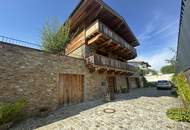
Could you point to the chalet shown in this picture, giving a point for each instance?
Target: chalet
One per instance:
(95, 63)
(137, 79)
(105, 41)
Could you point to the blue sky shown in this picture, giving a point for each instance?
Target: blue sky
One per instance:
(154, 22)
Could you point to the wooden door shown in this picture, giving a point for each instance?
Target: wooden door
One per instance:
(111, 87)
(70, 89)
(133, 82)
(138, 82)
(127, 80)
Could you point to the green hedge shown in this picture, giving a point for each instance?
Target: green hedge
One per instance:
(10, 112)
(183, 89)
(148, 84)
(179, 114)
(174, 93)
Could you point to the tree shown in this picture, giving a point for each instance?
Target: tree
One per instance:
(55, 36)
(154, 72)
(168, 69)
(172, 62)
(148, 71)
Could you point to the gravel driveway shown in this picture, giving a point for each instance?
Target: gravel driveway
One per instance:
(141, 109)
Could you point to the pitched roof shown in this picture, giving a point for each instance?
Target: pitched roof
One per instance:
(141, 63)
(89, 10)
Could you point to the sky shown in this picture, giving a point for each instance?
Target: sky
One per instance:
(154, 22)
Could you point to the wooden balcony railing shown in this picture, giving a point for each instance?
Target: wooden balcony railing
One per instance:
(101, 61)
(132, 68)
(102, 28)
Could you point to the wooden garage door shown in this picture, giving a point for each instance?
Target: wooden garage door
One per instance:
(111, 86)
(133, 82)
(70, 88)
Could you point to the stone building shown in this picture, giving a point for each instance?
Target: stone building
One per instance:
(94, 66)
(137, 79)
(105, 41)
(183, 54)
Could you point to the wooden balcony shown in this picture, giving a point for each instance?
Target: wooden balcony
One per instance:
(102, 63)
(106, 39)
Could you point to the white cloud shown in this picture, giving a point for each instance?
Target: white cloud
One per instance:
(171, 27)
(149, 28)
(158, 28)
(157, 60)
(158, 35)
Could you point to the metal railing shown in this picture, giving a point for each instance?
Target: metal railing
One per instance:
(13, 41)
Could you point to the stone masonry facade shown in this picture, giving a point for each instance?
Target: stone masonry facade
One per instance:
(32, 75)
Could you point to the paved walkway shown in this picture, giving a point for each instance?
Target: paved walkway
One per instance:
(141, 109)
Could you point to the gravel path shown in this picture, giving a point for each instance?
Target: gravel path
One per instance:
(141, 109)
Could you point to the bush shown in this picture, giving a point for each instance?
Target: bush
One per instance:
(168, 69)
(55, 37)
(148, 84)
(179, 114)
(123, 90)
(174, 93)
(10, 112)
(183, 89)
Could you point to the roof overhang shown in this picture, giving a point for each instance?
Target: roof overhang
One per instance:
(140, 63)
(89, 10)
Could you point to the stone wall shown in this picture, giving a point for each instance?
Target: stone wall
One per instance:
(133, 82)
(32, 75)
(121, 82)
(187, 74)
(183, 54)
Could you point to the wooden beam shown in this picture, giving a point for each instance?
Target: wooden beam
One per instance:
(94, 39)
(77, 19)
(121, 50)
(92, 69)
(109, 47)
(119, 25)
(92, 16)
(116, 48)
(99, 10)
(116, 72)
(99, 68)
(105, 43)
(110, 71)
(101, 71)
(112, 46)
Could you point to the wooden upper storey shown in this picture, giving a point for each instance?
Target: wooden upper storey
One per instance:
(88, 11)
(103, 39)
(106, 39)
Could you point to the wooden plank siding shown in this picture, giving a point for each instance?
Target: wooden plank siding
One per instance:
(98, 26)
(98, 34)
(71, 87)
(75, 43)
(89, 10)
